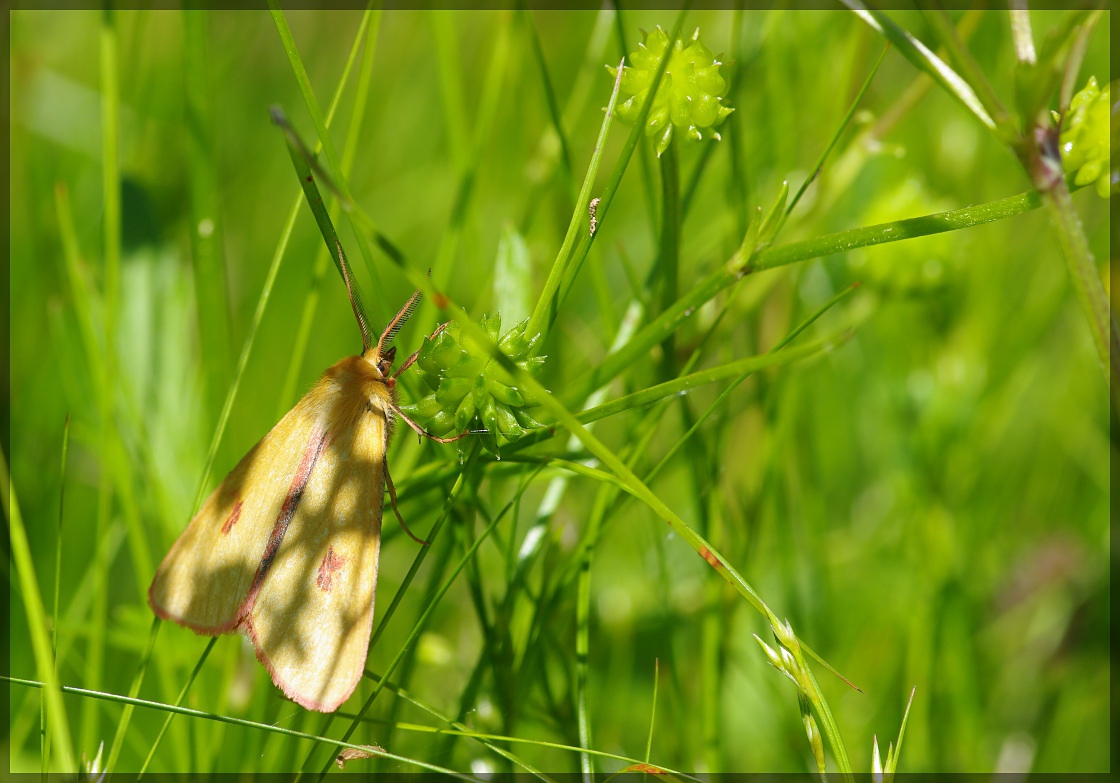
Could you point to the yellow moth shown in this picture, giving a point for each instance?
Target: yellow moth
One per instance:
(285, 550)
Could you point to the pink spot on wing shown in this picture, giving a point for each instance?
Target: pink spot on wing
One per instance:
(331, 563)
(231, 520)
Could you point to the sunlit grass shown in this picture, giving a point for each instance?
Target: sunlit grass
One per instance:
(912, 470)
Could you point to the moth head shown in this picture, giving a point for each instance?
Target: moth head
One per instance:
(383, 354)
(385, 362)
(376, 366)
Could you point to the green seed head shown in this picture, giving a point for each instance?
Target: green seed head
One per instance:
(1084, 139)
(689, 97)
(470, 391)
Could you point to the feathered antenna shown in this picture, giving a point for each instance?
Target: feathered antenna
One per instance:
(356, 299)
(398, 321)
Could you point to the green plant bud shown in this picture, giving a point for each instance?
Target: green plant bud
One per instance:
(1084, 139)
(471, 390)
(515, 344)
(507, 423)
(431, 381)
(466, 366)
(812, 733)
(441, 424)
(492, 325)
(526, 421)
(437, 354)
(465, 412)
(532, 342)
(689, 97)
(656, 118)
(532, 365)
(426, 408)
(452, 390)
(489, 415)
(772, 656)
(479, 392)
(505, 394)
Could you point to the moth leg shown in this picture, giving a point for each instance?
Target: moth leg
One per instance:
(421, 431)
(412, 359)
(393, 501)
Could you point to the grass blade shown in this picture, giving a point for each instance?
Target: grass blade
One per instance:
(575, 263)
(206, 227)
(583, 613)
(370, 25)
(134, 689)
(567, 170)
(835, 137)
(36, 619)
(176, 708)
(337, 179)
(923, 59)
(545, 303)
(109, 78)
(46, 736)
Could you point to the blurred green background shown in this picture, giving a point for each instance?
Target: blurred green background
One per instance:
(928, 503)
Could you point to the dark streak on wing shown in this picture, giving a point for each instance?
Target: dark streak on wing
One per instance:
(288, 510)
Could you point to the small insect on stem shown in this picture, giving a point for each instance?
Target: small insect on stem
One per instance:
(594, 205)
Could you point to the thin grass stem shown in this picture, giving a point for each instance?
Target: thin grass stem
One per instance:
(435, 599)
(45, 733)
(567, 169)
(579, 254)
(819, 165)
(176, 708)
(134, 689)
(109, 79)
(370, 26)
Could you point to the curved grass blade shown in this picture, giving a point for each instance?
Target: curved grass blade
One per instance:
(685, 382)
(337, 181)
(303, 161)
(175, 709)
(923, 59)
(523, 741)
(368, 28)
(783, 255)
(544, 311)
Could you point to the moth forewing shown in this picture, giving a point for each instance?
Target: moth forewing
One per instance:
(311, 621)
(204, 581)
(285, 549)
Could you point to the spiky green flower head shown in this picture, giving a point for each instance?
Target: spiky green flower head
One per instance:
(689, 97)
(469, 390)
(1084, 139)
